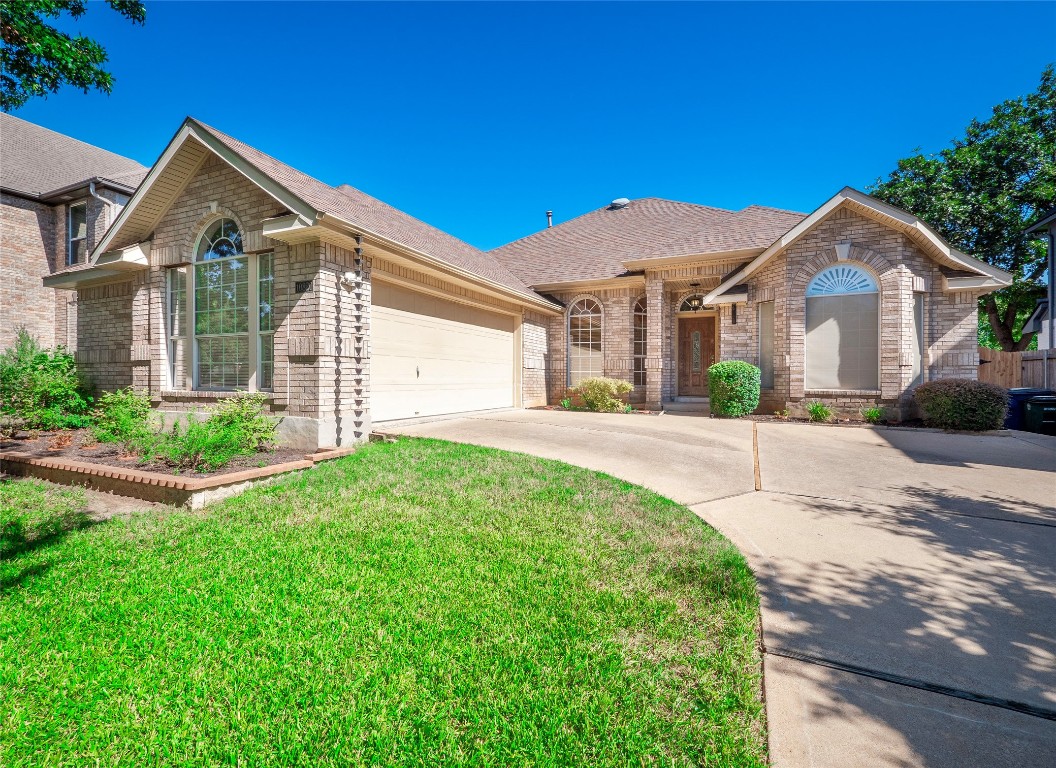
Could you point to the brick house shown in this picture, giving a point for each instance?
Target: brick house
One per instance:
(229, 270)
(57, 198)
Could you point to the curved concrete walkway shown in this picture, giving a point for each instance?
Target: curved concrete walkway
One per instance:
(908, 578)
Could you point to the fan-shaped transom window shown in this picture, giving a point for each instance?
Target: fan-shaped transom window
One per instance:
(229, 296)
(840, 280)
(843, 330)
(692, 303)
(221, 239)
(584, 341)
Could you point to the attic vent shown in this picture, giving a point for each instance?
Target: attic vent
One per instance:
(619, 202)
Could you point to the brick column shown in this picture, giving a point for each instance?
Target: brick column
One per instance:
(657, 321)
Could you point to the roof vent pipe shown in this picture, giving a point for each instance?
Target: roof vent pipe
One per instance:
(619, 202)
(549, 219)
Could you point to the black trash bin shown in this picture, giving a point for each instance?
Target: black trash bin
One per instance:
(1017, 396)
(1039, 415)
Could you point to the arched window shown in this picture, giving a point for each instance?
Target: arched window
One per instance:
(843, 330)
(639, 319)
(584, 341)
(231, 307)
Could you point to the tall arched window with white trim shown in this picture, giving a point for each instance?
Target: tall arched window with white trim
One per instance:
(584, 341)
(843, 330)
(232, 312)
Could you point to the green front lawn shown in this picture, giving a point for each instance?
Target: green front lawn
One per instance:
(416, 603)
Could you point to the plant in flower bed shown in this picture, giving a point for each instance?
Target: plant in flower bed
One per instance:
(124, 417)
(962, 404)
(733, 387)
(818, 412)
(236, 426)
(40, 387)
(604, 395)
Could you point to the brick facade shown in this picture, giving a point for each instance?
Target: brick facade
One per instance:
(33, 245)
(901, 268)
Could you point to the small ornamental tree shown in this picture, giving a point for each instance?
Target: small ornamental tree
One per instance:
(734, 388)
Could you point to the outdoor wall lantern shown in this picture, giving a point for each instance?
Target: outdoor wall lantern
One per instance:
(694, 303)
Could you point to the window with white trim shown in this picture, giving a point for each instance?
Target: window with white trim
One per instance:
(843, 330)
(584, 341)
(224, 305)
(266, 320)
(176, 324)
(640, 320)
(77, 233)
(918, 338)
(766, 344)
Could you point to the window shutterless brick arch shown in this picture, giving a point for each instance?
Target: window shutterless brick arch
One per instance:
(889, 278)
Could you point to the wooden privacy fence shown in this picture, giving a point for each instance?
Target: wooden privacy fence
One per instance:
(1017, 369)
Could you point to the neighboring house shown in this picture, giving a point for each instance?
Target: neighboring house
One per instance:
(229, 270)
(1043, 319)
(57, 198)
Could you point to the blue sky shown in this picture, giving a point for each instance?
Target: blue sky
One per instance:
(479, 117)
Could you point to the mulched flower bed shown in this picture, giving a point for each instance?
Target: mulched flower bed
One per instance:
(77, 445)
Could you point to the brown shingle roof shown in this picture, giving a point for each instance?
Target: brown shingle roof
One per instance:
(360, 209)
(36, 161)
(595, 245)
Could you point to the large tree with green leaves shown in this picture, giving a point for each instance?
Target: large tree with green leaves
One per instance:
(984, 191)
(36, 58)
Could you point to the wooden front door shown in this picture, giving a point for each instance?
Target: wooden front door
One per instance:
(697, 350)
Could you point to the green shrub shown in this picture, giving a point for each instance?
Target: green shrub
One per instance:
(236, 426)
(873, 414)
(962, 404)
(123, 417)
(819, 412)
(244, 416)
(733, 387)
(41, 386)
(602, 394)
(566, 403)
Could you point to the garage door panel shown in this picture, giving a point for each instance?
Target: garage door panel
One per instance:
(431, 356)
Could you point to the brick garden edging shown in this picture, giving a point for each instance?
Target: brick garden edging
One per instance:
(193, 493)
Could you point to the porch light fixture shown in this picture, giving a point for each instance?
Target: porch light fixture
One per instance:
(694, 303)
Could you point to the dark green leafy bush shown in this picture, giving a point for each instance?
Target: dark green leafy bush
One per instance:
(962, 404)
(236, 426)
(733, 387)
(41, 386)
(123, 417)
(602, 394)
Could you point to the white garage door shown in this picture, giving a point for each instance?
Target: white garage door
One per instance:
(430, 356)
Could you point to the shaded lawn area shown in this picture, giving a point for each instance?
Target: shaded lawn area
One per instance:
(416, 603)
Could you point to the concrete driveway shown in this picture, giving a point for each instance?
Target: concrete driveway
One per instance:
(908, 578)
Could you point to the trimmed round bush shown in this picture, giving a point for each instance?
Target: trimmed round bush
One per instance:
(962, 404)
(733, 387)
